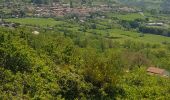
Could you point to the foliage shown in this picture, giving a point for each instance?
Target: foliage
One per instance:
(97, 59)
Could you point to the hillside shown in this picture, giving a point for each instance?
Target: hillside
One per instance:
(84, 52)
(147, 4)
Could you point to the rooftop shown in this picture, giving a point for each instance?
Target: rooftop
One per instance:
(156, 70)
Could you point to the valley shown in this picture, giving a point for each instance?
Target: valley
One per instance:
(84, 50)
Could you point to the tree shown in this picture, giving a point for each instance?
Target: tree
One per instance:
(83, 2)
(37, 1)
(71, 4)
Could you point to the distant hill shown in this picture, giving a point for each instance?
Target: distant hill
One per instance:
(148, 4)
(166, 6)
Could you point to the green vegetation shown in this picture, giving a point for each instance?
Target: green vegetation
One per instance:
(129, 17)
(81, 60)
(34, 21)
(104, 56)
(147, 38)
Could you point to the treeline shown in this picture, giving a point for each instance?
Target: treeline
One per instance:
(140, 25)
(154, 30)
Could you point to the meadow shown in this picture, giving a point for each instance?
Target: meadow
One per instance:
(133, 35)
(127, 16)
(34, 21)
(100, 23)
(147, 38)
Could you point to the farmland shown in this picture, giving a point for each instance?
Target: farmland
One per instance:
(115, 32)
(34, 21)
(129, 17)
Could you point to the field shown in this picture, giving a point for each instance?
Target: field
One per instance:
(127, 16)
(130, 16)
(116, 32)
(34, 21)
(122, 35)
(149, 38)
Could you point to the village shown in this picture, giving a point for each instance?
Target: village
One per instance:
(58, 9)
(64, 9)
(15, 10)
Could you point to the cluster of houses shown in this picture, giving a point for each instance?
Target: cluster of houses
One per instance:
(64, 9)
(61, 9)
(126, 9)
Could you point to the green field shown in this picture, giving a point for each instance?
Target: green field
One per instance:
(34, 21)
(129, 16)
(150, 38)
(122, 34)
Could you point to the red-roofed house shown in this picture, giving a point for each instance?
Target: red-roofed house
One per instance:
(158, 71)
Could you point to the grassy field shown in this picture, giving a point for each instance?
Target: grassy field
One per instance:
(34, 21)
(150, 38)
(129, 16)
(121, 34)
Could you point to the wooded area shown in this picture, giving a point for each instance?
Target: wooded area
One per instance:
(107, 55)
